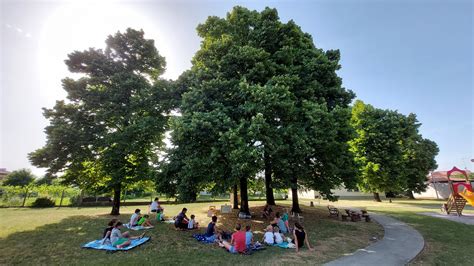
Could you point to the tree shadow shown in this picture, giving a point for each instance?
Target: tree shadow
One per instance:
(60, 243)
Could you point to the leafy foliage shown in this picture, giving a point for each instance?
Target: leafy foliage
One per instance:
(42, 203)
(390, 153)
(107, 134)
(259, 86)
(22, 178)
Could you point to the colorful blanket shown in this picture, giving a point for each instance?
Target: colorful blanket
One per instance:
(285, 245)
(138, 227)
(97, 244)
(202, 238)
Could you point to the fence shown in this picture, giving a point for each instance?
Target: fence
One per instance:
(11, 196)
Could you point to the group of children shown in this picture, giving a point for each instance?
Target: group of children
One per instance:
(114, 236)
(239, 241)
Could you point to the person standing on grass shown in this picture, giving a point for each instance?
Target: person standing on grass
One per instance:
(237, 242)
(181, 221)
(300, 237)
(120, 240)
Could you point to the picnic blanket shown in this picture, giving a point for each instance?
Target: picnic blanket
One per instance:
(97, 244)
(202, 238)
(285, 245)
(138, 227)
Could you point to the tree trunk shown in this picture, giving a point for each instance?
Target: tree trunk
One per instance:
(116, 201)
(236, 198)
(62, 197)
(377, 197)
(268, 180)
(244, 198)
(24, 199)
(410, 194)
(295, 208)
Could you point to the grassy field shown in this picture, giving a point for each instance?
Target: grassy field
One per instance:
(54, 236)
(446, 242)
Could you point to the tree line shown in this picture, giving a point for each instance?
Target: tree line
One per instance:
(260, 98)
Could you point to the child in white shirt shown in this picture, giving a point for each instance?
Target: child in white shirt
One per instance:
(192, 224)
(277, 235)
(268, 237)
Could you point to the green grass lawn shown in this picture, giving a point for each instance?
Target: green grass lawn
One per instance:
(446, 242)
(54, 236)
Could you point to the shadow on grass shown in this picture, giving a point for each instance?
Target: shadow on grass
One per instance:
(60, 243)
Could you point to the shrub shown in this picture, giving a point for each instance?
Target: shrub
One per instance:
(43, 203)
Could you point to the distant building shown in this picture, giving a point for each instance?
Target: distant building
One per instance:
(3, 173)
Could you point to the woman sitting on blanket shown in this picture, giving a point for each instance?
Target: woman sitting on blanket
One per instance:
(119, 239)
(108, 231)
(237, 242)
(181, 221)
(135, 218)
(278, 222)
(300, 237)
(144, 221)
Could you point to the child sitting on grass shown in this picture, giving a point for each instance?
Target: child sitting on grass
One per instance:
(277, 235)
(145, 221)
(120, 240)
(268, 237)
(248, 237)
(192, 224)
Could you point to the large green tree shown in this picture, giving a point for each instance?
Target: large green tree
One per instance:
(109, 131)
(261, 97)
(21, 177)
(391, 154)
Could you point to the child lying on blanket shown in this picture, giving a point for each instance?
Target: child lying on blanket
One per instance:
(145, 222)
(120, 240)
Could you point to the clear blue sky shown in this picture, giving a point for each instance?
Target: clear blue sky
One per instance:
(412, 56)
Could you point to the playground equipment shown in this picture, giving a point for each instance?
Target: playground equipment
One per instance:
(461, 193)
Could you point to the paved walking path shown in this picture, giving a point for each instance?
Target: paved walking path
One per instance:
(400, 244)
(465, 218)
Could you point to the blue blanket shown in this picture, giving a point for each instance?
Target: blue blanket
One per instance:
(202, 238)
(97, 244)
(282, 245)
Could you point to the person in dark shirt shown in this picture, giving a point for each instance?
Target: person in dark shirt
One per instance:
(181, 221)
(108, 230)
(211, 230)
(267, 211)
(300, 238)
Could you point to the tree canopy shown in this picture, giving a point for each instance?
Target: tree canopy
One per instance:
(21, 178)
(391, 154)
(109, 131)
(260, 95)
